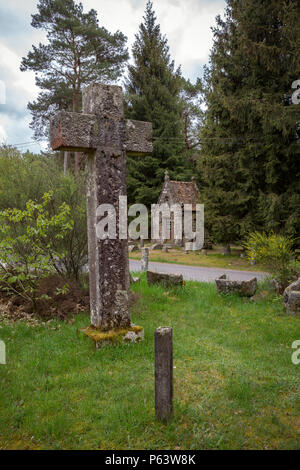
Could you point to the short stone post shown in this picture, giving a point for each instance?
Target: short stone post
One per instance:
(145, 259)
(163, 339)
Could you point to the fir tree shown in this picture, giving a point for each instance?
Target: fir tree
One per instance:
(250, 147)
(153, 94)
(192, 113)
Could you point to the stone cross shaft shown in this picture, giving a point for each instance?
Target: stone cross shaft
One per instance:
(102, 133)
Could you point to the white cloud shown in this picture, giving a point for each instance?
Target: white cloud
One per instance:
(20, 88)
(186, 23)
(189, 29)
(2, 92)
(10, 65)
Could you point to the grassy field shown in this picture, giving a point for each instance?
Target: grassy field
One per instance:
(235, 386)
(213, 259)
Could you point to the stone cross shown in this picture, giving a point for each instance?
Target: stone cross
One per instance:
(102, 133)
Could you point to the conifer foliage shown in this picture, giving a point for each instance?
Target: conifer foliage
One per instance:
(250, 164)
(78, 52)
(153, 94)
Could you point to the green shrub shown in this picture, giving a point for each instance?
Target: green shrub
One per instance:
(24, 177)
(27, 246)
(74, 245)
(28, 177)
(275, 252)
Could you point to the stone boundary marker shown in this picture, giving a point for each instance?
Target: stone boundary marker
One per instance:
(163, 344)
(291, 298)
(156, 246)
(243, 288)
(168, 280)
(145, 259)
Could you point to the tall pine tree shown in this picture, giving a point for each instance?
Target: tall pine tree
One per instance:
(153, 94)
(78, 52)
(250, 163)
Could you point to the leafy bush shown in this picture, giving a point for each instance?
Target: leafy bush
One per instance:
(74, 245)
(275, 252)
(24, 177)
(28, 177)
(28, 246)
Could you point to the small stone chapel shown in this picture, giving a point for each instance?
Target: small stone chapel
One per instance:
(181, 192)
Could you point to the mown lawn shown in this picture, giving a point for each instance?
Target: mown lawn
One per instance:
(213, 259)
(235, 385)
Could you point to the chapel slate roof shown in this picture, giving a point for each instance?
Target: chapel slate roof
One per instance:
(185, 192)
(179, 192)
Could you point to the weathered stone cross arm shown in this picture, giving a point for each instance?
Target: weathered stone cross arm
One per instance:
(76, 132)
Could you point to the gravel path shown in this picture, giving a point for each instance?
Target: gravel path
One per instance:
(197, 273)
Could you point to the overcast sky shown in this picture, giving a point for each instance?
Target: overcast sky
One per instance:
(186, 23)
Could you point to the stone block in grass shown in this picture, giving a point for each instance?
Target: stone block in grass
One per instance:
(291, 298)
(168, 280)
(243, 288)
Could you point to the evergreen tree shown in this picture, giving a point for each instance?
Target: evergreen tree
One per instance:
(250, 146)
(153, 94)
(79, 52)
(56, 96)
(192, 114)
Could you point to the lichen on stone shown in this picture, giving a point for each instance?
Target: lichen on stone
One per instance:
(111, 336)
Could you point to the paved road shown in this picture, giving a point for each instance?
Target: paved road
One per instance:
(196, 273)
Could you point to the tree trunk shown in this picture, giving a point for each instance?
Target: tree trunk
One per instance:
(76, 110)
(77, 162)
(66, 162)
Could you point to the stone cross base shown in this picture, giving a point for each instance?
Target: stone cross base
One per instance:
(133, 334)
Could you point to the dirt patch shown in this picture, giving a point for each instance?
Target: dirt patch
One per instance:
(57, 302)
(58, 298)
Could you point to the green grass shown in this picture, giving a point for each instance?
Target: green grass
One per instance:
(235, 386)
(213, 259)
